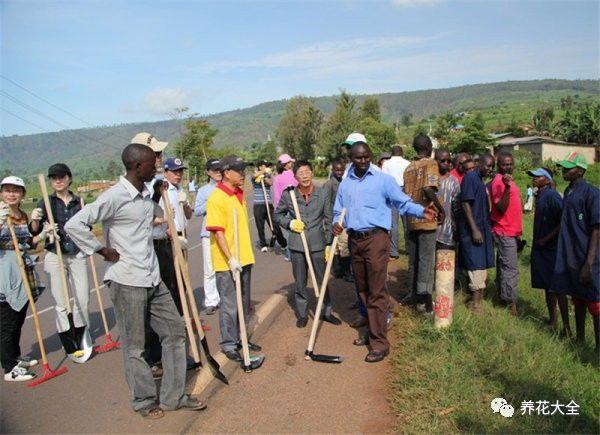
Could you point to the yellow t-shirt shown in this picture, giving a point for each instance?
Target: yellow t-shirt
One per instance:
(219, 217)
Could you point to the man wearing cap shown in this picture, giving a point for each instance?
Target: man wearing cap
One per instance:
(262, 200)
(507, 227)
(225, 201)
(211, 294)
(351, 140)
(127, 212)
(546, 226)
(368, 195)
(156, 145)
(577, 269)
(64, 204)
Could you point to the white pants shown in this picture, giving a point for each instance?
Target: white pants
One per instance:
(211, 295)
(77, 280)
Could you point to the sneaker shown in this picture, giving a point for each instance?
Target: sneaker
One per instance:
(27, 362)
(264, 249)
(18, 374)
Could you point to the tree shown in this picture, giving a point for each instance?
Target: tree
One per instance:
(473, 138)
(177, 114)
(542, 120)
(263, 151)
(380, 136)
(580, 123)
(443, 127)
(299, 128)
(406, 119)
(195, 144)
(338, 126)
(113, 169)
(370, 109)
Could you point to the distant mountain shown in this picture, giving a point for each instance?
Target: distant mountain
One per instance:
(90, 148)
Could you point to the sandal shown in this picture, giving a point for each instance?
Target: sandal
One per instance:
(376, 356)
(152, 412)
(192, 404)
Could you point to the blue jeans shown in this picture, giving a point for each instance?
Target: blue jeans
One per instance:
(132, 306)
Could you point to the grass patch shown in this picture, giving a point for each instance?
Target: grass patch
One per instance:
(444, 381)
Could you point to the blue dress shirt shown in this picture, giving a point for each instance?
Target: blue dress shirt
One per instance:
(369, 200)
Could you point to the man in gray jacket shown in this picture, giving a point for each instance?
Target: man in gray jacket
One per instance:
(314, 205)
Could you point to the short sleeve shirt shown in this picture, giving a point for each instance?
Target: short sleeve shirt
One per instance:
(509, 223)
(219, 217)
(420, 174)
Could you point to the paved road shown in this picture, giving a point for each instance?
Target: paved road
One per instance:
(93, 397)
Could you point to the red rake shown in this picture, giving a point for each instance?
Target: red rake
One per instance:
(48, 372)
(109, 344)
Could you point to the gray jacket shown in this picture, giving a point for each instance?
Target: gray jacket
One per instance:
(316, 215)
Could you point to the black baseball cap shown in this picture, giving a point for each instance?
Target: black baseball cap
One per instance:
(264, 162)
(213, 165)
(234, 163)
(59, 170)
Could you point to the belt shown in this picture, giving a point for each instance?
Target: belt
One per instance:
(364, 234)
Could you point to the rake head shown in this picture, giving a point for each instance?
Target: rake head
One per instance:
(108, 345)
(48, 374)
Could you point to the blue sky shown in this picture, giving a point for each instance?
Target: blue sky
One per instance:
(110, 62)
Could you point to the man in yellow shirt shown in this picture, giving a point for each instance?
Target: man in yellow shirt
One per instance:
(228, 197)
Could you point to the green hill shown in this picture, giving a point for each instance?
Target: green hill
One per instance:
(90, 148)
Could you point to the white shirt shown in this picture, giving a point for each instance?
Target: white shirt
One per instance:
(396, 167)
(178, 216)
(126, 215)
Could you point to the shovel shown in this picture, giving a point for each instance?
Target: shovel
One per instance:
(48, 372)
(75, 338)
(311, 269)
(185, 286)
(309, 354)
(254, 362)
(267, 205)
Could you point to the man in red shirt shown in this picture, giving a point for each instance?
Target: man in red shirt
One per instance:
(458, 171)
(507, 227)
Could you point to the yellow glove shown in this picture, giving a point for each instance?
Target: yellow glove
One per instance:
(297, 225)
(259, 178)
(327, 252)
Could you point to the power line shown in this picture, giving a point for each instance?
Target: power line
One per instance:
(23, 119)
(54, 105)
(43, 115)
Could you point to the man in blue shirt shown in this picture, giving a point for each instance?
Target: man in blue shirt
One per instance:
(368, 196)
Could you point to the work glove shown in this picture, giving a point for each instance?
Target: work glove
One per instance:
(4, 212)
(182, 197)
(183, 242)
(234, 265)
(268, 170)
(49, 232)
(37, 214)
(327, 253)
(296, 225)
(259, 178)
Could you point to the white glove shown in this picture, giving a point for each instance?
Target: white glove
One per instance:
(182, 197)
(37, 214)
(49, 232)
(234, 265)
(183, 242)
(4, 212)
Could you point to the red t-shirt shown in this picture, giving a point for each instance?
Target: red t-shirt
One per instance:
(510, 223)
(457, 175)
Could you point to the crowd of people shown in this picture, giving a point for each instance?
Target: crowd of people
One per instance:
(439, 201)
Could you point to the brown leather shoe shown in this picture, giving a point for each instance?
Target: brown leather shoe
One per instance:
(376, 356)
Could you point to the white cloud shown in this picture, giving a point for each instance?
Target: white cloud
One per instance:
(415, 3)
(322, 55)
(161, 101)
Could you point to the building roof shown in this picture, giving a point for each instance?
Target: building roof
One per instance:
(511, 141)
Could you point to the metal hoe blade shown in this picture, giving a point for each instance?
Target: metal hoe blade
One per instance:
(255, 362)
(324, 358)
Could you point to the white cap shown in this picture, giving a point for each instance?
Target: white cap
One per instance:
(355, 137)
(147, 139)
(15, 181)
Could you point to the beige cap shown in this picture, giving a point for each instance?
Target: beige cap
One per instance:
(147, 139)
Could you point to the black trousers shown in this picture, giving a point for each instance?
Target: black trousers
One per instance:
(164, 254)
(261, 217)
(11, 322)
